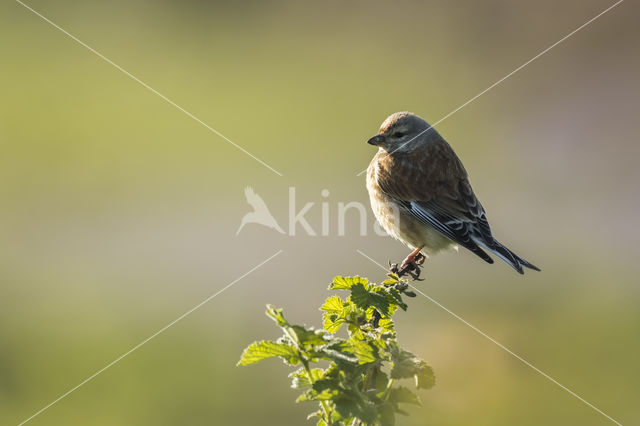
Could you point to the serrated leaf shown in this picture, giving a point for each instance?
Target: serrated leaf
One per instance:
(387, 325)
(257, 351)
(345, 283)
(338, 355)
(364, 351)
(386, 415)
(330, 383)
(394, 302)
(381, 381)
(332, 319)
(300, 379)
(332, 322)
(323, 389)
(277, 315)
(425, 378)
(404, 363)
(308, 336)
(355, 332)
(403, 394)
(351, 404)
(333, 304)
(351, 351)
(305, 396)
(365, 299)
(315, 414)
(397, 296)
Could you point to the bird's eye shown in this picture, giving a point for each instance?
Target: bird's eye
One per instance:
(398, 134)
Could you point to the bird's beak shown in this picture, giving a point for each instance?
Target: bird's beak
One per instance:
(376, 140)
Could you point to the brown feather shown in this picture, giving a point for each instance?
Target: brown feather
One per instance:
(431, 172)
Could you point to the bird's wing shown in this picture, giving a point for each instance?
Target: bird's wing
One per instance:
(464, 221)
(461, 219)
(254, 199)
(432, 185)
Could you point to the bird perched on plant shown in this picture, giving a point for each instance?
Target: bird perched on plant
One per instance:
(420, 194)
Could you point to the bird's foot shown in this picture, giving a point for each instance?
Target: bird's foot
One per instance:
(403, 285)
(410, 266)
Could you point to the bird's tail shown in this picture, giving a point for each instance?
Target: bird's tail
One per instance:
(515, 261)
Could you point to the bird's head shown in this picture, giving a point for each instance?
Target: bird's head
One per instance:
(401, 131)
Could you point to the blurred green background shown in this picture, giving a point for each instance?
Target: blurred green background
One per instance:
(118, 212)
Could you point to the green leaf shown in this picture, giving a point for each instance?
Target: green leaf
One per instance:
(364, 299)
(386, 414)
(332, 323)
(403, 394)
(393, 302)
(300, 378)
(425, 378)
(308, 336)
(381, 381)
(277, 316)
(332, 317)
(365, 352)
(345, 283)
(390, 281)
(317, 414)
(355, 331)
(404, 363)
(387, 326)
(397, 296)
(257, 351)
(350, 403)
(333, 304)
(323, 389)
(352, 351)
(337, 354)
(329, 385)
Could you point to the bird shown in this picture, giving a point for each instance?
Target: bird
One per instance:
(260, 213)
(420, 194)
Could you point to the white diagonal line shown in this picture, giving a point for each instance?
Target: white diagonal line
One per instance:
(501, 346)
(163, 329)
(76, 39)
(506, 77)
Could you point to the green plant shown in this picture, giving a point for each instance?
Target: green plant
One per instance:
(361, 383)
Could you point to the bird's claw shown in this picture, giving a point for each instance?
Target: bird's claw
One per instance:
(412, 268)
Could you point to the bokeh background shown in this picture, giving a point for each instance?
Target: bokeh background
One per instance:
(118, 212)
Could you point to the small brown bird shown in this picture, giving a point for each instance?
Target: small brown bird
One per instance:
(420, 194)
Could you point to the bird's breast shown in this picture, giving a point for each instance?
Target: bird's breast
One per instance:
(398, 221)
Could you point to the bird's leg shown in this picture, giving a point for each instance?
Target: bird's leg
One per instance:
(411, 265)
(413, 258)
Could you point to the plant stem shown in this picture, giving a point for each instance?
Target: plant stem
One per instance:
(385, 395)
(325, 406)
(370, 380)
(305, 363)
